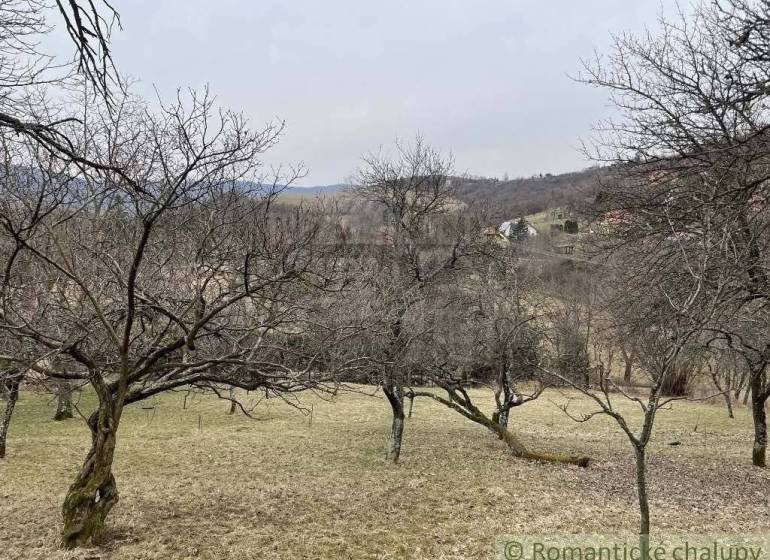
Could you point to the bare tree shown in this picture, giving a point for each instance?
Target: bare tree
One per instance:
(628, 351)
(175, 272)
(690, 150)
(727, 373)
(89, 25)
(419, 247)
(32, 188)
(63, 392)
(10, 380)
(495, 322)
(658, 313)
(488, 327)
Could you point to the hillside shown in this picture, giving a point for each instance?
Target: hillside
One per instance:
(531, 195)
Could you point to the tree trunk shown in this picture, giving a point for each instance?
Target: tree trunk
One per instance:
(644, 505)
(729, 402)
(94, 492)
(503, 396)
(726, 390)
(10, 404)
(740, 386)
(627, 371)
(232, 401)
(760, 420)
(502, 418)
(395, 397)
(63, 401)
(519, 450)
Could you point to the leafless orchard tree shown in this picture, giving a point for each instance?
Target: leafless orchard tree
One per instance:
(32, 187)
(421, 246)
(10, 380)
(658, 311)
(728, 374)
(63, 391)
(507, 308)
(573, 328)
(174, 272)
(489, 330)
(690, 150)
(27, 73)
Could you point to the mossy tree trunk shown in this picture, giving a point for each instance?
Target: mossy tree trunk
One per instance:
(10, 403)
(518, 449)
(94, 492)
(464, 406)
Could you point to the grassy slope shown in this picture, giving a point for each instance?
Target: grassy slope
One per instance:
(294, 198)
(279, 488)
(542, 221)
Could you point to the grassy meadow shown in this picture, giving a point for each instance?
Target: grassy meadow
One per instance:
(199, 483)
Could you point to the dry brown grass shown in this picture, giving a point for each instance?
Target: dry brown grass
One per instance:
(280, 488)
(294, 198)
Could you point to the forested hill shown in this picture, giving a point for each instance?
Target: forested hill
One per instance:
(504, 198)
(528, 195)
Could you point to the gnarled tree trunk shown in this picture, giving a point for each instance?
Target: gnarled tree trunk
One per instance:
(517, 448)
(10, 403)
(94, 492)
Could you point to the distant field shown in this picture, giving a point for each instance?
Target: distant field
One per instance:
(542, 221)
(280, 487)
(294, 198)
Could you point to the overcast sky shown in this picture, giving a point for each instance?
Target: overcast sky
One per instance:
(486, 79)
